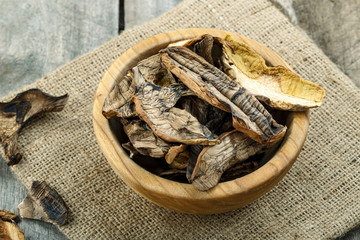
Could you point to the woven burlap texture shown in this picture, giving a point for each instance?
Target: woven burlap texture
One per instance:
(317, 199)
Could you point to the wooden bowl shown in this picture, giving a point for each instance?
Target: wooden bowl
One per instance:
(226, 196)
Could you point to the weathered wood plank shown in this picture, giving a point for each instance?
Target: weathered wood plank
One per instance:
(36, 37)
(141, 11)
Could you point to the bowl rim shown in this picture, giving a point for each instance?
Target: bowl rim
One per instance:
(147, 183)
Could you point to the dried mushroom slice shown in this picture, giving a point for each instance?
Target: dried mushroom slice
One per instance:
(194, 151)
(132, 150)
(239, 170)
(8, 216)
(154, 72)
(180, 161)
(45, 204)
(216, 120)
(276, 86)
(174, 152)
(155, 105)
(143, 139)
(213, 161)
(14, 114)
(215, 87)
(9, 231)
(118, 102)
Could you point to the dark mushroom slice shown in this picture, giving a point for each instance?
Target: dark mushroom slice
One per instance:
(239, 170)
(118, 102)
(213, 161)
(276, 86)
(143, 139)
(155, 105)
(14, 114)
(213, 118)
(194, 151)
(206, 46)
(153, 71)
(215, 87)
(132, 150)
(45, 204)
(9, 231)
(180, 161)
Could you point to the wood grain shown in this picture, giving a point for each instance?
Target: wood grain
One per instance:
(181, 197)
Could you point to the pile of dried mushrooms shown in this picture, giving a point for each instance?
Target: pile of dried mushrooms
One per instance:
(205, 106)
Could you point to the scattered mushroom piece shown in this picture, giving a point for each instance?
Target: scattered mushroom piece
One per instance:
(143, 138)
(155, 105)
(276, 86)
(213, 161)
(14, 114)
(45, 204)
(215, 87)
(118, 102)
(9, 231)
(8, 216)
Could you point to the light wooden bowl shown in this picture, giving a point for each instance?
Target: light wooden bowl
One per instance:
(226, 196)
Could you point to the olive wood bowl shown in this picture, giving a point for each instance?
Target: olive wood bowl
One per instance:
(182, 197)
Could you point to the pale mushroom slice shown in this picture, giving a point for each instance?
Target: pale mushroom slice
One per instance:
(143, 139)
(155, 105)
(277, 86)
(14, 114)
(215, 87)
(9, 231)
(118, 102)
(213, 161)
(45, 204)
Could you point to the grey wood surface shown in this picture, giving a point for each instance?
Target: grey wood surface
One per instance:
(38, 36)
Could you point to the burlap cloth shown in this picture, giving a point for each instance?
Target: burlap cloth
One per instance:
(317, 199)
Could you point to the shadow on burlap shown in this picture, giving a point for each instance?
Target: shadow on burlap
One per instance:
(317, 199)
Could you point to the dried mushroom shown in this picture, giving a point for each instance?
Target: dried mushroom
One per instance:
(14, 114)
(9, 231)
(143, 139)
(118, 102)
(153, 71)
(174, 152)
(155, 105)
(215, 87)
(276, 86)
(213, 161)
(8, 216)
(200, 102)
(238, 170)
(45, 204)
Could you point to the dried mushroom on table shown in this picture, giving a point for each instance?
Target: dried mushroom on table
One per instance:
(14, 115)
(206, 109)
(8, 228)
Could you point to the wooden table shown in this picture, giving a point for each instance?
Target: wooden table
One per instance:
(38, 36)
